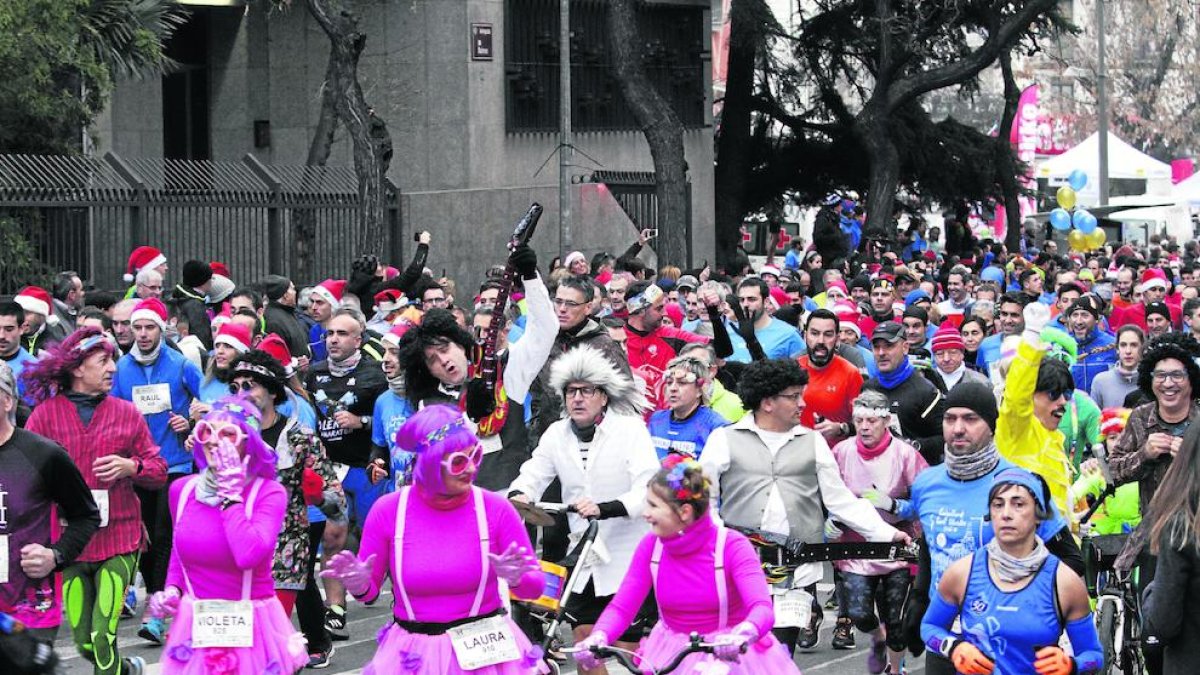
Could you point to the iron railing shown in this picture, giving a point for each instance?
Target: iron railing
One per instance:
(636, 192)
(87, 214)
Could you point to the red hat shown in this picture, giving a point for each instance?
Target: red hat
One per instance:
(235, 335)
(780, 296)
(35, 300)
(151, 309)
(838, 284)
(390, 273)
(331, 291)
(1152, 277)
(276, 348)
(674, 313)
(141, 258)
(1113, 421)
(848, 316)
(389, 300)
(219, 268)
(947, 337)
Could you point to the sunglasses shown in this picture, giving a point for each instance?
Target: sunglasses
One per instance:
(1055, 394)
(458, 463)
(206, 431)
(243, 386)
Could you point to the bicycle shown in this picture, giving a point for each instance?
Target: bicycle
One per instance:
(631, 661)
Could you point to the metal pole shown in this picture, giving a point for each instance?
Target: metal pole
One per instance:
(565, 149)
(1102, 102)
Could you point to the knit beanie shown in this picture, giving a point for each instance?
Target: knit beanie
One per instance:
(977, 397)
(196, 273)
(1159, 308)
(275, 286)
(947, 337)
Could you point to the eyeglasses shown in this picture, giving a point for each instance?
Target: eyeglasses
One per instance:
(243, 386)
(569, 304)
(584, 391)
(794, 398)
(1176, 376)
(436, 302)
(458, 463)
(206, 431)
(1056, 394)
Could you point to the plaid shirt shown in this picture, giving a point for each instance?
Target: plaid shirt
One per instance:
(116, 429)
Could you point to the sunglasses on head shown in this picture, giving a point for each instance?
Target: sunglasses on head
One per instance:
(458, 463)
(206, 431)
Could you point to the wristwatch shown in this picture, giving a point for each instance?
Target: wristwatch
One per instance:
(365, 420)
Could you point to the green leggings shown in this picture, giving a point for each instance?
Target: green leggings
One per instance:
(93, 594)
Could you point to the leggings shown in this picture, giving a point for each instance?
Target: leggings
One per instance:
(93, 594)
(862, 594)
(310, 609)
(160, 523)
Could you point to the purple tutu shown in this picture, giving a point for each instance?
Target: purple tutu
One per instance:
(401, 653)
(765, 657)
(278, 648)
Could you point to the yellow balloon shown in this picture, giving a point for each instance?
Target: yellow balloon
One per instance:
(1066, 197)
(1097, 237)
(1078, 241)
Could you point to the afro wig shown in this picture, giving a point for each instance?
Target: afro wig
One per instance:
(764, 379)
(437, 328)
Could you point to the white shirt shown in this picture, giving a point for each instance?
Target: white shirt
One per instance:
(952, 378)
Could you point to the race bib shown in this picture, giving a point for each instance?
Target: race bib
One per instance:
(101, 499)
(341, 470)
(3, 558)
(484, 643)
(222, 623)
(152, 398)
(793, 609)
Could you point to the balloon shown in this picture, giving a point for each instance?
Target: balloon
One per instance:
(1097, 238)
(1078, 241)
(1066, 197)
(1060, 219)
(1077, 180)
(1084, 221)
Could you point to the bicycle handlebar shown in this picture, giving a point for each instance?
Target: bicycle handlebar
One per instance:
(626, 657)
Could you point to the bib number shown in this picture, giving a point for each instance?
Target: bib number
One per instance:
(3, 558)
(101, 499)
(152, 398)
(222, 623)
(484, 643)
(793, 609)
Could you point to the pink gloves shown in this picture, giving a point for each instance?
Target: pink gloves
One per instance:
(163, 604)
(731, 645)
(231, 471)
(354, 574)
(513, 564)
(584, 657)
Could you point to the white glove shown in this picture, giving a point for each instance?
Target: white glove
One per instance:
(1036, 315)
(832, 531)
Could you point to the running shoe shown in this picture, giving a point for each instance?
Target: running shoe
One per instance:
(877, 657)
(888, 670)
(130, 606)
(153, 630)
(133, 665)
(843, 635)
(808, 636)
(320, 660)
(335, 623)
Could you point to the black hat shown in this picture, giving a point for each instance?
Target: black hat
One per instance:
(1160, 308)
(196, 273)
(915, 312)
(264, 369)
(888, 330)
(1088, 303)
(975, 396)
(275, 286)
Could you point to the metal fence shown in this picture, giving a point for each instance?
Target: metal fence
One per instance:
(87, 214)
(636, 192)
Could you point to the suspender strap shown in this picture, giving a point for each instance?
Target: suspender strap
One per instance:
(655, 557)
(484, 548)
(722, 589)
(398, 581)
(188, 490)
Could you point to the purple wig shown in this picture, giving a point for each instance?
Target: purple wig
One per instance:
(434, 432)
(51, 374)
(238, 410)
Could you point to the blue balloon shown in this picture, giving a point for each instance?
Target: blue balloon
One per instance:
(1084, 221)
(1060, 219)
(1077, 179)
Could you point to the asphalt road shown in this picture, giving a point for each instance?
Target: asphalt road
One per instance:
(352, 655)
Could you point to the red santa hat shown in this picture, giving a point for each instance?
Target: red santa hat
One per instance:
(277, 348)
(1152, 277)
(235, 335)
(35, 300)
(390, 300)
(848, 317)
(331, 291)
(151, 309)
(219, 268)
(141, 258)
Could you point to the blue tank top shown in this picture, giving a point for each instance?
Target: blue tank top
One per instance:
(1010, 627)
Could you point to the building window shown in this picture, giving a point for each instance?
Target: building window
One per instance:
(675, 62)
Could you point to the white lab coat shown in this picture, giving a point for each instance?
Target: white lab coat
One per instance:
(621, 461)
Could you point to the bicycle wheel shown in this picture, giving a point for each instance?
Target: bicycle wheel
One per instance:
(1106, 626)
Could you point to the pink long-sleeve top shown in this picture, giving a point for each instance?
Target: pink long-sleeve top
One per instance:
(216, 545)
(892, 472)
(687, 584)
(442, 555)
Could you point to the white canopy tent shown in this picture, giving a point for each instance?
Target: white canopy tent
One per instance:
(1124, 162)
(1187, 190)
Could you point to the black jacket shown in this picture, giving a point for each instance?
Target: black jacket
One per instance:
(281, 320)
(1169, 608)
(190, 305)
(919, 406)
(828, 238)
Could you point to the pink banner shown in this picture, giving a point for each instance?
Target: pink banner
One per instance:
(1182, 169)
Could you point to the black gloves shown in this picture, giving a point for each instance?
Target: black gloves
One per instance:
(481, 400)
(524, 260)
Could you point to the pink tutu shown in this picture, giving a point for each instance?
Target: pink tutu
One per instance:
(765, 657)
(402, 652)
(278, 648)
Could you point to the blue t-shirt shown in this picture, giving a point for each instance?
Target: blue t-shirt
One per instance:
(391, 411)
(316, 343)
(952, 512)
(683, 437)
(989, 352)
(213, 390)
(17, 363)
(779, 340)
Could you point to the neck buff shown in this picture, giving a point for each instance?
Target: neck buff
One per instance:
(877, 450)
(587, 433)
(146, 358)
(973, 465)
(896, 377)
(206, 488)
(1011, 569)
(346, 366)
(85, 404)
(396, 384)
(439, 501)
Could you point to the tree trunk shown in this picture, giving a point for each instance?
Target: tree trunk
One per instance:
(1009, 187)
(883, 176)
(305, 231)
(663, 131)
(346, 45)
(733, 137)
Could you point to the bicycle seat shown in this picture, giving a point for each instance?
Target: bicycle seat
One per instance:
(1107, 546)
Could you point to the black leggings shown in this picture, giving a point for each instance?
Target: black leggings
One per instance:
(160, 524)
(861, 595)
(310, 609)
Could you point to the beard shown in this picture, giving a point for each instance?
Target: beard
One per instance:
(820, 355)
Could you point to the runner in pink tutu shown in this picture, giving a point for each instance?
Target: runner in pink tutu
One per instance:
(219, 586)
(446, 545)
(706, 578)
